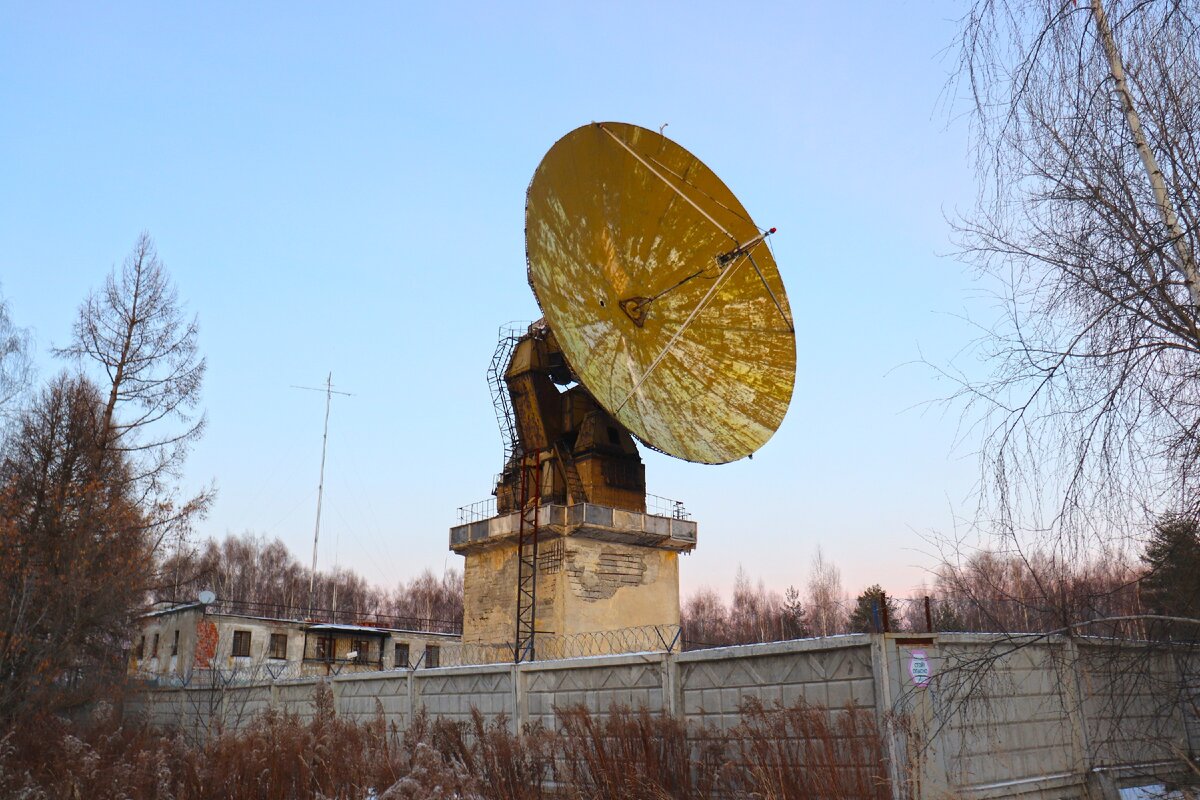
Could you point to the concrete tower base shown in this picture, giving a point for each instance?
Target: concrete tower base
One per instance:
(599, 569)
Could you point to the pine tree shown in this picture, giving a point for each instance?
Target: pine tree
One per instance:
(795, 626)
(1171, 586)
(863, 617)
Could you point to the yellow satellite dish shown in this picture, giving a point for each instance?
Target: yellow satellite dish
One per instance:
(661, 292)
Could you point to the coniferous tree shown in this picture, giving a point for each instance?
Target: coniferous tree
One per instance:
(795, 624)
(872, 602)
(143, 352)
(75, 554)
(1171, 585)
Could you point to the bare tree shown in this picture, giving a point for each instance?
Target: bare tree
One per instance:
(1030, 593)
(1087, 225)
(134, 332)
(705, 619)
(429, 597)
(16, 364)
(251, 570)
(826, 597)
(754, 614)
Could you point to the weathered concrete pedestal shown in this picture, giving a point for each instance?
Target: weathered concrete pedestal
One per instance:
(598, 569)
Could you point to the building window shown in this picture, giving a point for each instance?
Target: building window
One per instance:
(278, 645)
(362, 647)
(154, 647)
(325, 648)
(141, 651)
(431, 655)
(241, 644)
(175, 644)
(401, 655)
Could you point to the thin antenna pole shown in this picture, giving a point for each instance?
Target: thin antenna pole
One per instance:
(329, 393)
(312, 576)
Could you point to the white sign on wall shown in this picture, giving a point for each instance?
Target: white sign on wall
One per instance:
(918, 667)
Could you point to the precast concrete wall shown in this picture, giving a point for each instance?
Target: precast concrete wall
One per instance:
(452, 692)
(1035, 716)
(831, 672)
(964, 715)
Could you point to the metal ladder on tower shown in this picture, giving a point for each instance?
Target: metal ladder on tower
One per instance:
(506, 341)
(527, 555)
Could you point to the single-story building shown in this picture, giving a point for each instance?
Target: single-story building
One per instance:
(179, 643)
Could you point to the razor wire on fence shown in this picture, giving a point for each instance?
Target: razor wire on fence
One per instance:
(551, 647)
(1115, 614)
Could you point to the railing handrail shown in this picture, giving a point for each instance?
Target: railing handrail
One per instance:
(656, 506)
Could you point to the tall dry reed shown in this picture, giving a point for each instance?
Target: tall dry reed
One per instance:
(775, 753)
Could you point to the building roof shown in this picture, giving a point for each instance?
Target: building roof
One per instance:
(307, 625)
(334, 627)
(172, 609)
(337, 627)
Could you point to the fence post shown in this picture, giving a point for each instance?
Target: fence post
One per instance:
(414, 694)
(520, 698)
(883, 708)
(408, 699)
(336, 688)
(1181, 672)
(672, 700)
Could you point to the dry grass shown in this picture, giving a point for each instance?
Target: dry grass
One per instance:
(775, 753)
(277, 757)
(629, 754)
(802, 751)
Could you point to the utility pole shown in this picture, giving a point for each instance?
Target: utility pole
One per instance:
(329, 393)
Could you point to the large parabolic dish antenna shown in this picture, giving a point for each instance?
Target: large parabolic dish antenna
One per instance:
(661, 292)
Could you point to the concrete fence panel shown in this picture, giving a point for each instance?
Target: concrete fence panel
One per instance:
(964, 715)
(452, 692)
(596, 683)
(830, 672)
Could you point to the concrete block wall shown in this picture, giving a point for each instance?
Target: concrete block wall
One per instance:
(363, 695)
(1039, 718)
(296, 697)
(831, 672)
(597, 683)
(1003, 717)
(1131, 707)
(453, 691)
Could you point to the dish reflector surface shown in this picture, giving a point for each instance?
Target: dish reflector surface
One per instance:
(625, 233)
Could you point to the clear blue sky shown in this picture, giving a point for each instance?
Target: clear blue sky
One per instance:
(341, 188)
